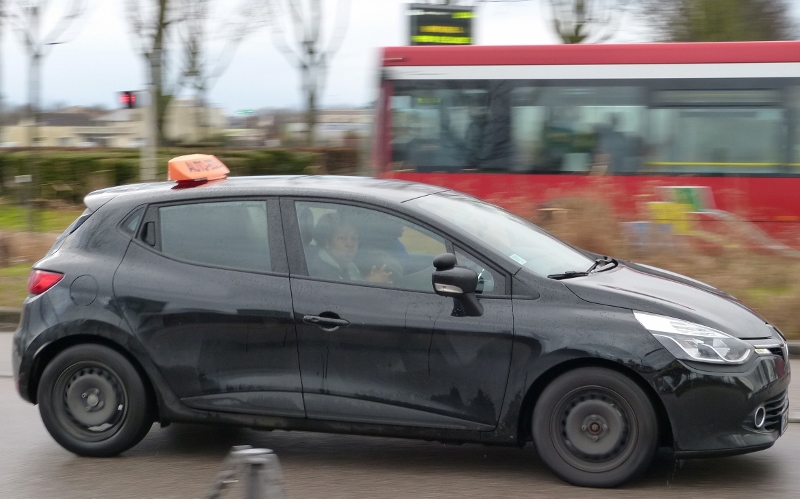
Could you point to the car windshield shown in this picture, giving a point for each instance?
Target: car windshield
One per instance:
(509, 234)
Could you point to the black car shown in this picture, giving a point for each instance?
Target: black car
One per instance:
(378, 307)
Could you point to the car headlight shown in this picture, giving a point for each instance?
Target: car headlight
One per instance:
(690, 341)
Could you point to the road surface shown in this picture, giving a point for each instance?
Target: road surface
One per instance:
(182, 461)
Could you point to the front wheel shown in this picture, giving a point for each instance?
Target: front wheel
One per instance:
(595, 427)
(93, 401)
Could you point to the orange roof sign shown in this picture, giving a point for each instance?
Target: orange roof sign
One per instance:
(196, 167)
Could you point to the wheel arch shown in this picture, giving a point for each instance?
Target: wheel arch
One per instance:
(541, 382)
(44, 356)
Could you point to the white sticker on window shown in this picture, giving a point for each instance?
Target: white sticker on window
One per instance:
(518, 259)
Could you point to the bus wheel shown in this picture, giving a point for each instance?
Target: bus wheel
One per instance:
(93, 401)
(595, 427)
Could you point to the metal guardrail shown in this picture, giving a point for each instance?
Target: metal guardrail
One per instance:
(259, 469)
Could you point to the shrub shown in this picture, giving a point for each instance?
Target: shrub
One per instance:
(70, 174)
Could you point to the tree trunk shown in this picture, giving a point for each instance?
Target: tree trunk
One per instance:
(311, 114)
(33, 98)
(202, 119)
(34, 91)
(156, 60)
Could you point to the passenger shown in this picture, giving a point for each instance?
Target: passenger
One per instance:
(338, 240)
(382, 244)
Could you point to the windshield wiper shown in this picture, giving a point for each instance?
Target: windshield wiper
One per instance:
(567, 275)
(603, 260)
(573, 273)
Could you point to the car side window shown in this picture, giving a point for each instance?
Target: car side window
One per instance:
(349, 243)
(489, 282)
(231, 234)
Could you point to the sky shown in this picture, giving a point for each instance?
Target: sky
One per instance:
(100, 60)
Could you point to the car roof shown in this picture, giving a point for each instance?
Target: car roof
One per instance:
(340, 187)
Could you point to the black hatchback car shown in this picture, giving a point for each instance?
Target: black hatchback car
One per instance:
(378, 307)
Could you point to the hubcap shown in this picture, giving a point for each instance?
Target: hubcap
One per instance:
(93, 400)
(593, 428)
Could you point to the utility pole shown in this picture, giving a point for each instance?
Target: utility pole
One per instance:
(148, 154)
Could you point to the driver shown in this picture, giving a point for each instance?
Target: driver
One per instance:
(338, 240)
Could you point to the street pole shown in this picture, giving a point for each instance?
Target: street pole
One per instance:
(147, 166)
(153, 170)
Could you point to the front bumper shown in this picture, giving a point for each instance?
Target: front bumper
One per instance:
(712, 409)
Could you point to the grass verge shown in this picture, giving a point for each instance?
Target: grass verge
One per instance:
(15, 218)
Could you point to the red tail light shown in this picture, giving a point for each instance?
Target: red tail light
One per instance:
(42, 280)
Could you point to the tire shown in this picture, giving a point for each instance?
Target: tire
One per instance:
(595, 427)
(93, 401)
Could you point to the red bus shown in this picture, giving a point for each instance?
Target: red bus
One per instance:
(689, 133)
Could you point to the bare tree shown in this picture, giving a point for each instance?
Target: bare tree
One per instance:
(297, 27)
(209, 47)
(25, 16)
(467, 2)
(151, 23)
(2, 97)
(587, 21)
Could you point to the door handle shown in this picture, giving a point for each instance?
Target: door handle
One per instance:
(325, 322)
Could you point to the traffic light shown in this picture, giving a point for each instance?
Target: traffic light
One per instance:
(127, 99)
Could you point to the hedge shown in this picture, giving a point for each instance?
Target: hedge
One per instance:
(70, 174)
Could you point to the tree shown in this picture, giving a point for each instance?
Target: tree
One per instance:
(151, 23)
(467, 2)
(297, 27)
(719, 20)
(25, 16)
(202, 65)
(2, 97)
(587, 21)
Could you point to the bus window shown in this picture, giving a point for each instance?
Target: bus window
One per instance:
(717, 132)
(451, 126)
(577, 128)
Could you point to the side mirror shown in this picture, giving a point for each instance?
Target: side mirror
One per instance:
(458, 283)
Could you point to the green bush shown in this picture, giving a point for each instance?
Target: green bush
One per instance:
(70, 174)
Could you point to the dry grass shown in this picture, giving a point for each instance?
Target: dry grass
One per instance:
(766, 281)
(24, 247)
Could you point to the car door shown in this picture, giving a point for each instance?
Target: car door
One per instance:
(388, 350)
(205, 286)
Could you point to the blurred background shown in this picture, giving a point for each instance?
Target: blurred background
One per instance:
(698, 177)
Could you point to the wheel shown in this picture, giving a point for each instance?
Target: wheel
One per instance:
(595, 427)
(93, 401)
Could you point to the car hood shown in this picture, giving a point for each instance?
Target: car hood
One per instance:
(648, 289)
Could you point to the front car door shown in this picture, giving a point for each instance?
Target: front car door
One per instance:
(376, 344)
(204, 285)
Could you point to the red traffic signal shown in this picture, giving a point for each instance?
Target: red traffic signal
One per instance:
(127, 99)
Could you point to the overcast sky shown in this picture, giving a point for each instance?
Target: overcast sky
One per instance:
(100, 60)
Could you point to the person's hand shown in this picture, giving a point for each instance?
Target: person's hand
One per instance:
(379, 275)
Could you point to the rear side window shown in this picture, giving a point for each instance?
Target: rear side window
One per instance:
(72, 228)
(231, 234)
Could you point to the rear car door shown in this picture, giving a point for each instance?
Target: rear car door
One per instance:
(205, 286)
(388, 350)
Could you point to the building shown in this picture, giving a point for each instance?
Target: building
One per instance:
(121, 128)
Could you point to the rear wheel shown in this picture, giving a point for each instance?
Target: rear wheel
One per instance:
(93, 401)
(595, 427)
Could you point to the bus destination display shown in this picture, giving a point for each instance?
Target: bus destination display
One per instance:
(440, 24)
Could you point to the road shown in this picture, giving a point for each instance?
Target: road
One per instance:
(181, 461)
